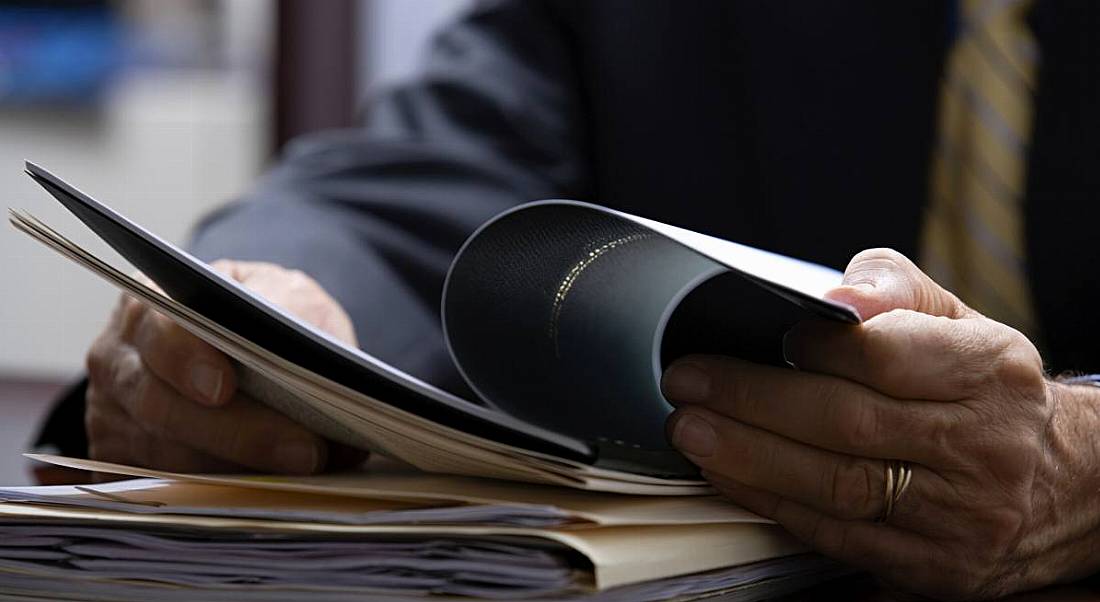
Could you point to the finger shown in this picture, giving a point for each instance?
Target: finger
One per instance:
(162, 453)
(113, 436)
(843, 486)
(244, 270)
(135, 447)
(191, 366)
(889, 552)
(168, 456)
(242, 431)
(907, 354)
(880, 280)
(294, 291)
(823, 411)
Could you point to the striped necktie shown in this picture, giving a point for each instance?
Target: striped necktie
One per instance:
(973, 238)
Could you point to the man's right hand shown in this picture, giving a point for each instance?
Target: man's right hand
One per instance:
(160, 397)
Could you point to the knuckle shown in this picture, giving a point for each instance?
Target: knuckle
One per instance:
(92, 396)
(969, 346)
(243, 445)
(96, 423)
(126, 375)
(1019, 367)
(132, 312)
(850, 490)
(157, 332)
(146, 407)
(940, 432)
(96, 360)
(884, 345)
(855, 422)
(251, 442)
(102, 356)
(865, 424)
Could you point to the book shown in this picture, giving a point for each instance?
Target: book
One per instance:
(560, 315)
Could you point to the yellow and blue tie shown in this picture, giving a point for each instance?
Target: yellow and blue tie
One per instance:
(973, 237)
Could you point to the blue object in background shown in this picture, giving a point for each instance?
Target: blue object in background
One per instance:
(57, 56)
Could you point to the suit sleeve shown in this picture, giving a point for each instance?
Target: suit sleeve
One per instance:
(376, 213)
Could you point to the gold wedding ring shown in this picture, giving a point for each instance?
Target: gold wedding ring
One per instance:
(898, 475)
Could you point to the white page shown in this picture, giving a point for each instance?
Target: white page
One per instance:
(385, 480)
(139, 496)
(803, 276)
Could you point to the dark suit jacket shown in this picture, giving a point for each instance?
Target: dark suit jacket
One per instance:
(801, 127)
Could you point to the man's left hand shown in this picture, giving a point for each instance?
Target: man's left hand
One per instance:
(1005, 462)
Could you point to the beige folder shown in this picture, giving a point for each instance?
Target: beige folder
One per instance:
(384, 480)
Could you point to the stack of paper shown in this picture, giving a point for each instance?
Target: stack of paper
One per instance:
(571, 490)
(381, 534)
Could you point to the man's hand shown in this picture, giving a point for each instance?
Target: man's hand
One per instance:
(1005, 462)
(160, 397)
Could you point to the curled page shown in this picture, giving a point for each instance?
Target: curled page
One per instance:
(564, 314)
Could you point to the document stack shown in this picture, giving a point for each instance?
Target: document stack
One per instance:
(556, 483)
(384, 533)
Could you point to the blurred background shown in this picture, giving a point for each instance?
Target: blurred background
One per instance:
(163, 110)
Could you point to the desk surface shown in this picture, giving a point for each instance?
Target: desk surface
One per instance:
(23, 405)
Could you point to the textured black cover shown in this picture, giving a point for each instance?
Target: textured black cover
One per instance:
(197, 286)
(561, 315)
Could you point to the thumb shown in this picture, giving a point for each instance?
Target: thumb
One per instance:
(880, 280)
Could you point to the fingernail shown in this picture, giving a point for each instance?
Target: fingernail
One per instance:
(865, 286)
(787, 350)
(694, 435)
(298, 457)
(207, 380)
(687, 382)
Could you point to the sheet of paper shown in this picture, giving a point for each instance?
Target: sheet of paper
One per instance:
(802, 276)
(156, 496)
(385, 480)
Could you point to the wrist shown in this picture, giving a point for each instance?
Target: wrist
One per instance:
(1075, 425)
(1073, 508)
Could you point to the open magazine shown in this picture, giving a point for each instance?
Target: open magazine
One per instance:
(560, 315)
